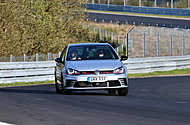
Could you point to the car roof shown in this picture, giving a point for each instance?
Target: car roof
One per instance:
(86, 44)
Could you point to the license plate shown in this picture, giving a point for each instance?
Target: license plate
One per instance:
(97, 79)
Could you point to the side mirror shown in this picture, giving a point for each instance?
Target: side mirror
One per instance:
(58, 60)
(123, 58)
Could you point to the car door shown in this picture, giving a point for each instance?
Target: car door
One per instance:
(60, 65)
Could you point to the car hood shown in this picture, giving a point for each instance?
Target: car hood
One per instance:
(92, 65)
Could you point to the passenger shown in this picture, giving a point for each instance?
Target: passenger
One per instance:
(100, 53)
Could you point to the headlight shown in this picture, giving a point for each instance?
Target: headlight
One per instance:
(72, 72)
(119, 70)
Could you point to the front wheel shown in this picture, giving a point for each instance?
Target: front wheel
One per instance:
(123, 92)
(59, 87)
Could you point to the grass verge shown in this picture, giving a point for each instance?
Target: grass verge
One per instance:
(162, 73)
(140, 14)
(152, 74)
(25, 83)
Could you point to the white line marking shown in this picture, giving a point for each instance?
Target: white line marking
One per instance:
(182, 102)
(3, 123)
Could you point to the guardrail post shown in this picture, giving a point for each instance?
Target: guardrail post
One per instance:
(11, 58)
(172, 3)
(144, 45)
(149, 48)
(49, 56)
(105, 33)
(118, 39)
(158, 44)
(127, 40)
(140, 3)
(94, 30)
(182, 44)
(171, 44)
(24, 57)
(100, 35)
(37, 57)
(122, 45)
(155, 3)
(112, 36)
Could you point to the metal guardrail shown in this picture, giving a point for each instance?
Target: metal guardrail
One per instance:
(152, 64)
(144, 10)
(26, 71)
(41, 71)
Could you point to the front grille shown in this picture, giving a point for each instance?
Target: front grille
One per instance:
(106, 72)
(97, 84)
(87, 72)
(93, 72)
(88, 84)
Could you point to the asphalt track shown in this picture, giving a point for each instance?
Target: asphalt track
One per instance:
(139, 20)
(151, 101)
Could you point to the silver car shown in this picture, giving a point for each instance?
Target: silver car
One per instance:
(91, 66)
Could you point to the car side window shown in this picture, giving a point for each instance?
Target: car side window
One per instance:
(63, 54)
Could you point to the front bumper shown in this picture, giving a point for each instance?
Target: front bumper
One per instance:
(113, 81)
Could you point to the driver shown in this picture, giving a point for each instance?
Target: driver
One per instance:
(73, 55)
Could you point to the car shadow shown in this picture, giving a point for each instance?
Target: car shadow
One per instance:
(49, 90)
(29, 91)
(89, 93)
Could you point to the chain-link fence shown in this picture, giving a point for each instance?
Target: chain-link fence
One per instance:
(148, 41)
(155, 41)
(142, 42)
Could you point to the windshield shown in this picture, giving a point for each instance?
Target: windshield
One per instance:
(91, 52)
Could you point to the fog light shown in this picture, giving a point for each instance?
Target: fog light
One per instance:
(73, 82)
(122, 81)
(108, 84)
(70, 83)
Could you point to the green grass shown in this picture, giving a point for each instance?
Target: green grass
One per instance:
(25, 83)
(140, 14)
(162, 73)
(153, 74)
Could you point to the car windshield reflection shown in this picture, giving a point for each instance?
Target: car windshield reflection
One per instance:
(98, 52)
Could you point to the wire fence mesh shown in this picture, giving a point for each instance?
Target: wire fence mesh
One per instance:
(156, 41)
(142, 42)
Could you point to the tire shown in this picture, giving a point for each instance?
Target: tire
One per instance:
(59, 88)
(112, 92)
(123, 92)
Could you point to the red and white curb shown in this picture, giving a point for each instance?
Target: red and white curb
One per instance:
(3, 123)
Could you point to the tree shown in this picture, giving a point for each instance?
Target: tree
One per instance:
(181, 4)
(39, 26)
